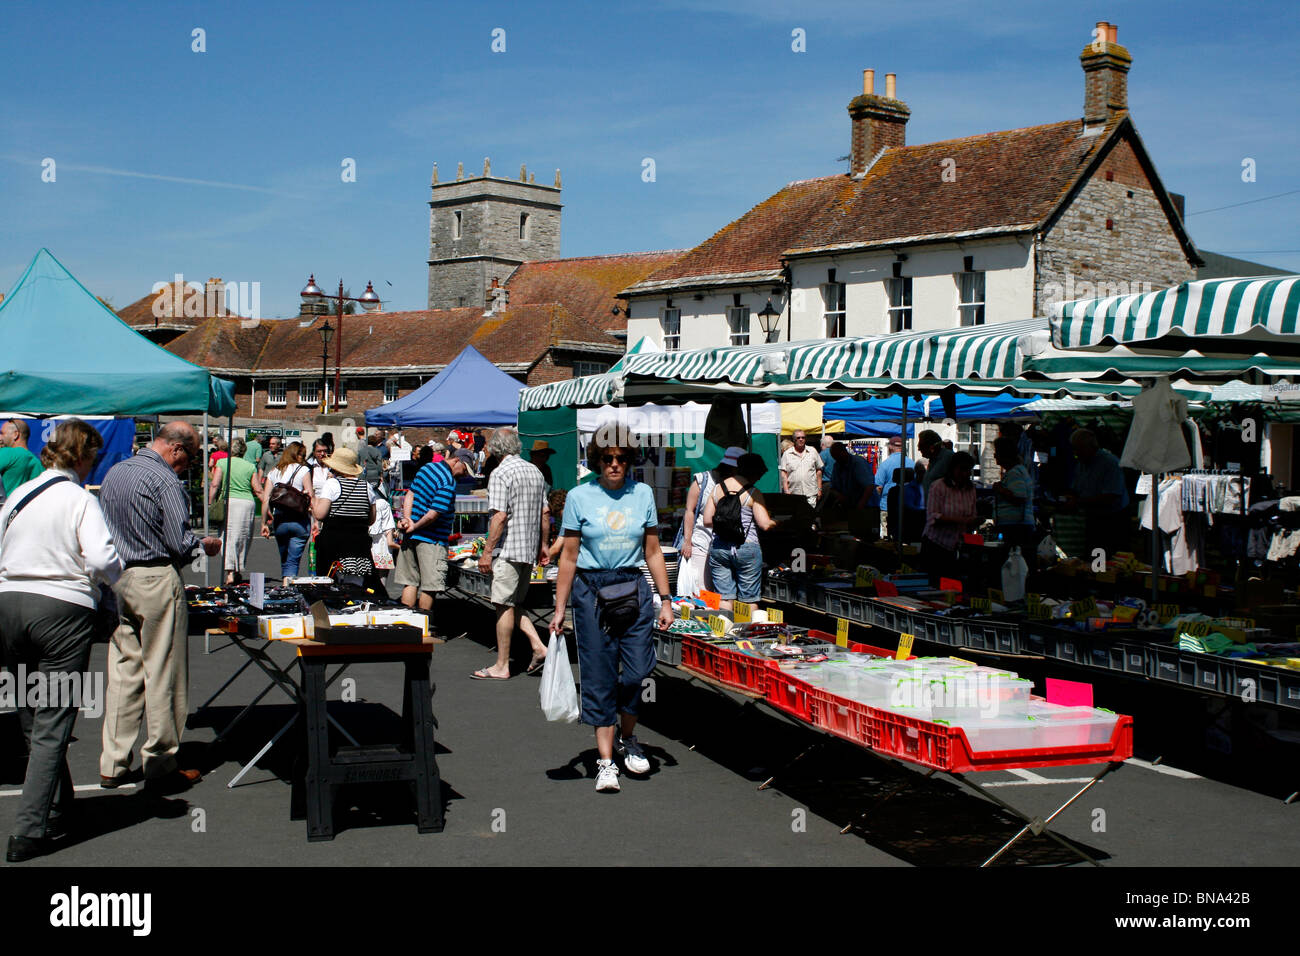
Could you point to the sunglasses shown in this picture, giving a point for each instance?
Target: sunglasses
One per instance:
(621, 459)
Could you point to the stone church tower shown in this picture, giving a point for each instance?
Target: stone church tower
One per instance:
(482, 227)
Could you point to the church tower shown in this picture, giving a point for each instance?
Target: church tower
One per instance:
(482, 227)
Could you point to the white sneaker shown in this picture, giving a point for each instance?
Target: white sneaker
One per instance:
(634, 757)
(606, 777)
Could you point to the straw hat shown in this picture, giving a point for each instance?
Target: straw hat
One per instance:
(541, 446)
(344, 461)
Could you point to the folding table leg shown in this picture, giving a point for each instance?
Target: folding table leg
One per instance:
(261, 753)
(418, 714)
(892, 792)
(1037, 825)
(320, 797)
(811, 748)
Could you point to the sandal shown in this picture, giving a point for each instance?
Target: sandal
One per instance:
(482, 674)
(536, 664)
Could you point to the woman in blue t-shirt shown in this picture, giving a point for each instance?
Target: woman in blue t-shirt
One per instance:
(610, 527)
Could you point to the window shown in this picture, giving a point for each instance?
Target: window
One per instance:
(343, 392)
(275, 391)
(390, 390)
(309, 392)
(671, 321)
(456, 221)
(833, 294)
(523, 225)
(900, 303)
(589, 368)
(970, 286)
(738, 320)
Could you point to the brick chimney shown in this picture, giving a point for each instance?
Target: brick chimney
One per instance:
(878, 121)
(214, 297)
(1105, 76)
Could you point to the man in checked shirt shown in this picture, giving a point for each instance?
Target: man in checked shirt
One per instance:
(147, 512)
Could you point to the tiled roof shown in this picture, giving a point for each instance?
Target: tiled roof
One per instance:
(587, 286)
(755, 242)
(1004, 182)
(372, 343)
(139, 314)
(1000, 182)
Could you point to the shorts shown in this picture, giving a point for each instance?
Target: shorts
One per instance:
(422, 564)
(737, 570)
(510, 582)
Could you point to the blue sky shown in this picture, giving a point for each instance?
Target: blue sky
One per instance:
(227, 162)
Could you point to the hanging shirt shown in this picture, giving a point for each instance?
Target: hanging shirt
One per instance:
(1155, 439)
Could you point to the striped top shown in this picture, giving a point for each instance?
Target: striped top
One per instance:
(942, 498)
(434, 489)
(349, 497)
(147, 512)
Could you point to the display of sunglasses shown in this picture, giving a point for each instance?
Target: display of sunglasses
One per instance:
(621, 459)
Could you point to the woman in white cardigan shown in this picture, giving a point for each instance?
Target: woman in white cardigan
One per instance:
(55, 551)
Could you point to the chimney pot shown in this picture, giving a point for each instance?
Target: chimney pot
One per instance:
(435, 174)
(523, 172)
(487, 166)
(460, 171)
(878, 122)
(869, 82)
(891, 86)
(1112, 33)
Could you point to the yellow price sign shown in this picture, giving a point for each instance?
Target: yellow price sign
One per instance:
(744, 612)
(1031, 599)
(1166, 612)
(842, 632)
(775, 615)
(996, 596)
(904, 647)
(863, 577)
(981, 604)
(686, 611)
(718, 625)
(1085, 608)
(1038, 612)
(1195, 628)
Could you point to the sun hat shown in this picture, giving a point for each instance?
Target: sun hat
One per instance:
(539, 445)
(732, 456)
(344, 461)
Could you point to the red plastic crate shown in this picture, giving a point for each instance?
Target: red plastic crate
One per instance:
(788, 693)
(842, 717)
(728, 667)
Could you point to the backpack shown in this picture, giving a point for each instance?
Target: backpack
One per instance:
(728, 516)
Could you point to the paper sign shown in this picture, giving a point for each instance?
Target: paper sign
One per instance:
(1167, 612)
(1069, 693)
(1037, 612)
(711, 599)
(981, 604)
(863, 576)
(885, 588)
(718, 625)
(904, 647)
(743, 613)
(996, 596)
(949, 584)
(1196, 628)
(257, 589)
(1085, 608)
(842, 632)
(1031, 599)
(775, 616)
(686, 611)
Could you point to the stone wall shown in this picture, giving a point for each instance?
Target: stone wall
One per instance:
(1080, 257)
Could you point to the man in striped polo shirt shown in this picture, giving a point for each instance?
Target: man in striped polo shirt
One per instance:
(147, 512)
(427, 512)
(517, 499)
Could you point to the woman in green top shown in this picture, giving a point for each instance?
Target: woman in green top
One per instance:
(238, 484)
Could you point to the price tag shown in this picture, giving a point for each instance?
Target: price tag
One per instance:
(996, 596)
(904, 647)
(1195, 628)
(1031, 599)
(1038, 612)
(775, 616)
(718, 625)
(744, 612)
(686, 611)
(1167, 612)
(842, 632)
(257, 589)
(1085, 608)
(863, 577)
(981, 604)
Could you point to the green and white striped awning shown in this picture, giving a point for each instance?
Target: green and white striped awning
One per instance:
(1259, 308)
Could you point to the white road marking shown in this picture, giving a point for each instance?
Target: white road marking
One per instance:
(81, 789)
(1163, 768)
(1030, 779)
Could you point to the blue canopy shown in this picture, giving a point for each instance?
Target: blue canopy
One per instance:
(469, 391)
(859, 417)
(65, 352)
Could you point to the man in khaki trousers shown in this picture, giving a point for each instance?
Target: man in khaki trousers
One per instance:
(147, 512)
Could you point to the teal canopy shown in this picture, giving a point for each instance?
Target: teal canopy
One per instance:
(65, 352)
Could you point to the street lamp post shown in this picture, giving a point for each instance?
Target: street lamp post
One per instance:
(326, 333)
(369, 301)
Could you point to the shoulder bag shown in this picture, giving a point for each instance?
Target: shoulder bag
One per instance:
(284, 496)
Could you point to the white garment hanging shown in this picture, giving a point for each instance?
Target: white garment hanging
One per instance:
(1155, 439)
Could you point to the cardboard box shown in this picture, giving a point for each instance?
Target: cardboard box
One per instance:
(282, 627)
(401, 616)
